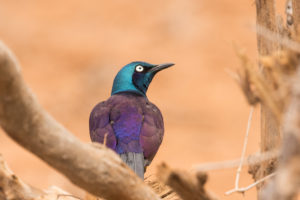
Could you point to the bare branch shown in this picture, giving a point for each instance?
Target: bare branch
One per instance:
(11, 187)
(237, 178)
(244, 189)
(244, 148)
(251, 160)
(98, 170)
(186, 185)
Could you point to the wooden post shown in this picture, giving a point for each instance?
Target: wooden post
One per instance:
(285, 185)
(296, 16)
(270, 132)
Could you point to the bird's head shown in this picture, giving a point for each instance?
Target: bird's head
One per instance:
(136, 77)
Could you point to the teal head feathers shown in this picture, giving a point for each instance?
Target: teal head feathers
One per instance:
(136, 77)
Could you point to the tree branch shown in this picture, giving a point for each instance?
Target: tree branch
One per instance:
(187, 186)
(98, 170)
(11, 187)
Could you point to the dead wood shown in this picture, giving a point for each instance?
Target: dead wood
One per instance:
(11, 187)
(186, 185)
(97, 170)
(164, 191)
(296, 16)
(265, 17)
(287, 181)
(270, 131)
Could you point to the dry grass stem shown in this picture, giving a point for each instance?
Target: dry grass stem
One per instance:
(105, 139)
(61, 196)
(244, 148)
(238, 173)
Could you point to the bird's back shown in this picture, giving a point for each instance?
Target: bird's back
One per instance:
(132, 125)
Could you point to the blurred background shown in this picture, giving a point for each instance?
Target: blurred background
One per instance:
(71, 50)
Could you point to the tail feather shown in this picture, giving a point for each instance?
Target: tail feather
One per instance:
(135, 161)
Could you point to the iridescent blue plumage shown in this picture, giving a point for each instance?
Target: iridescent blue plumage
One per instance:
(134, 126)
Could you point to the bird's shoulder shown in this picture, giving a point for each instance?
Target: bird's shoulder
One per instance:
(140, 104)
(127, 102)
(100, 125)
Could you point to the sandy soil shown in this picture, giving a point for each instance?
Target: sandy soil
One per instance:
(71, 50)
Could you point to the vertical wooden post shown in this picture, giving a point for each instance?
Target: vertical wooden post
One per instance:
(270, 132)
(265, 17)
(296, 16)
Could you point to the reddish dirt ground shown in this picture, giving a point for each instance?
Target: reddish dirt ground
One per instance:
(70, 52)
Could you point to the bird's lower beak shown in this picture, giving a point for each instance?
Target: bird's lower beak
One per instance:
(161, 67)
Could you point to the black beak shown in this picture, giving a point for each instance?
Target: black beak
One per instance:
(160, 67)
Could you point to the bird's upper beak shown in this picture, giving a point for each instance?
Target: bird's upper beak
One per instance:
(160, 67)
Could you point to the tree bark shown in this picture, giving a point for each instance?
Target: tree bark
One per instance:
(186, 185)
(287, 181)
(270, 132)
(94, 168)
(11, 187)
(296, 16)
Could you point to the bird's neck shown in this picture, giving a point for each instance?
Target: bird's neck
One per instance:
(130, 94)
(126, 88)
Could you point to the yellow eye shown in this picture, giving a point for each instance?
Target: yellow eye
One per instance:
(139, 68)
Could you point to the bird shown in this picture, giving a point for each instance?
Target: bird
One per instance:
(127, 121)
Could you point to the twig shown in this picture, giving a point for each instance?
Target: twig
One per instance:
(254, 159)
(11, 187)
(14, 188)
(67, 195)
(244, 189)
(105, 139)
(244, 149)
(164, 195)
(233, 75)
